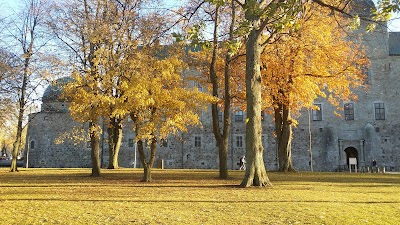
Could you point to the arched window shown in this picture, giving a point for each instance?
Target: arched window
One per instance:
(32, 144)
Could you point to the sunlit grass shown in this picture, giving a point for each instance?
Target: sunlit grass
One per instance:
(70, 196)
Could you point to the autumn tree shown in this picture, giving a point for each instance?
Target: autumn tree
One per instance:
(315, 60)
(102, 42)
(158, 99)
(24, 34)
(216, 60)
(8, 107)
(97, 34)
(80, 29)
(262, 21)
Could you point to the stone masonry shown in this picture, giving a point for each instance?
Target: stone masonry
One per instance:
(369, 128)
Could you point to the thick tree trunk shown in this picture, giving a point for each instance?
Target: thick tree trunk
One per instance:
(114, 141)
(147, 174)
(95, 148)
(284, 138)
(256, 174)
(223, 159)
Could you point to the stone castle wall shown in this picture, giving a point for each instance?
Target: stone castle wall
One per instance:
(333, 139)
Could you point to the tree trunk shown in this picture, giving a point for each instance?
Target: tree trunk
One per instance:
(256, 174)
(223, 159)
(17, 143)
(147, 165)
(22, 105)
(284, 138)
(222, 139)
(95, 148)
(15, 151)
(114, 141)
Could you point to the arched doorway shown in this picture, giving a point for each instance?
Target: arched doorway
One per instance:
(351, 152)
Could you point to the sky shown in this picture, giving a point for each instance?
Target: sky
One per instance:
(393, 25)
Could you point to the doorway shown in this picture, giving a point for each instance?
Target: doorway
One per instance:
(351, 152)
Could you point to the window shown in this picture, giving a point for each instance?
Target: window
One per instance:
(317, 113)
(239, 116)
(264, 140)
(239, 141)
(130, 143)
(199, 87)
(379, 111)
(32, 144)
(220, 115)
(349, 111)
(164, 143)
(367, 72)
(197, 141)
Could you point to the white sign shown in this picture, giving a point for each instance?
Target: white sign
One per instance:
(353, 161)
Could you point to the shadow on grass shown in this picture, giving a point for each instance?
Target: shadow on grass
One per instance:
(197, 201)
(187, 178)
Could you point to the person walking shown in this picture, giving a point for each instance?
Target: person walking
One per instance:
(242, 163)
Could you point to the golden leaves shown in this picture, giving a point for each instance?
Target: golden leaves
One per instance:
(315, 60)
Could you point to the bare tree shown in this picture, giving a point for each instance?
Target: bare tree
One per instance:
(22, 35)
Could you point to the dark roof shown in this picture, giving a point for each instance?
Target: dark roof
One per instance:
(362, 8)
(394, 43)
(54, 90)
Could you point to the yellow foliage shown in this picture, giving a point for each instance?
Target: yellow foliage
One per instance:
(318, 60)
(77, 135)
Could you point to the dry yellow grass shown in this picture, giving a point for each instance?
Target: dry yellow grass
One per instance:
(70, 196)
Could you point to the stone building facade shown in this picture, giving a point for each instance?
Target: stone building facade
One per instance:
(369, 128)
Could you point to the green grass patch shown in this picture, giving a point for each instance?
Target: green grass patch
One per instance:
(71, 196)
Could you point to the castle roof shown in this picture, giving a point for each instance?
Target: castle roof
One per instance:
(362, 8)
(54, 90)
(394, 43)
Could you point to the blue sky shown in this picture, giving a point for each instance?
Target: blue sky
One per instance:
(7, 4)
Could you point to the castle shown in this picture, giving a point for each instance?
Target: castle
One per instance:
(369, 129)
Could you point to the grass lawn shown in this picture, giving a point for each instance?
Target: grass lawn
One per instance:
(70, 196)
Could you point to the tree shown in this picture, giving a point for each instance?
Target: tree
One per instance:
(82, 34)
(263, 20)
(97, 33)
(112, 32)
(216, 64)
(315, 60)
(25, 37)
(158, 100)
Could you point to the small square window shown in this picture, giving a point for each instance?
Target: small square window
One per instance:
(130, 143)
(197, 141)
(239, 141)
(379, 111)
(220, 116)
(239, 116)
(349, 111)
(317, 113)
(164, 143)
(200, 87)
